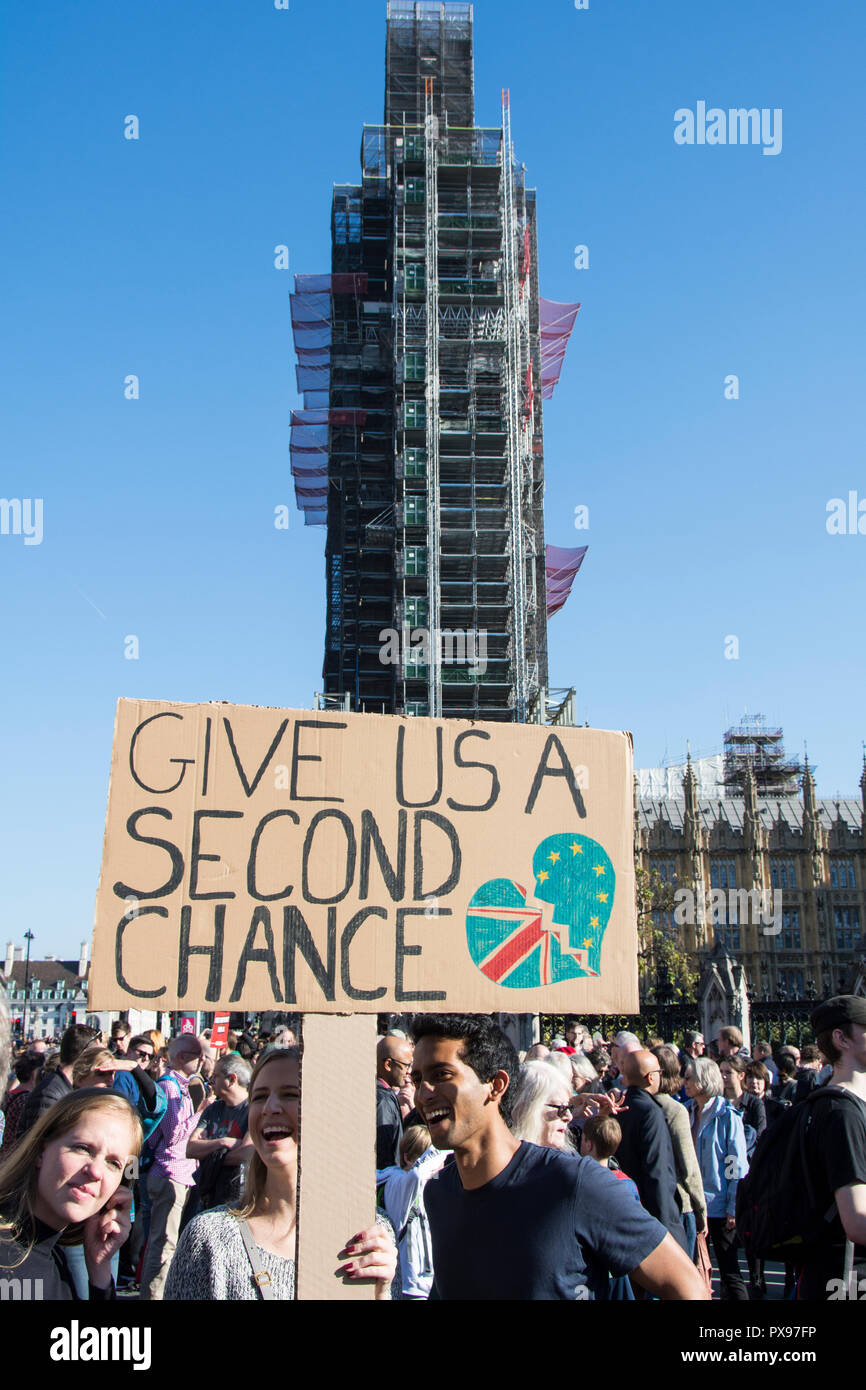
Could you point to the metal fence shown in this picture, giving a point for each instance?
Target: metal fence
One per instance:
(778, 1021)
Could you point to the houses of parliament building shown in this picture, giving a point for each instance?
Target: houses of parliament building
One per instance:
(745, 828)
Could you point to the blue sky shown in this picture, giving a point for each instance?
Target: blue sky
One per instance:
(155, 257)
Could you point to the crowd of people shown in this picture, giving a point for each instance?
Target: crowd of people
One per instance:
(150, 1168)
(677, 1130)
(592, 1168)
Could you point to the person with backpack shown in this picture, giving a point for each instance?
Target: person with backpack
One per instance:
(720, 1144)
(805, 1198)
(170, 1176)
(403, 1203)
(834, 1266)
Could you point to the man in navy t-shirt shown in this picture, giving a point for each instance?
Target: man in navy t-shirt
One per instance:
(510, 1220)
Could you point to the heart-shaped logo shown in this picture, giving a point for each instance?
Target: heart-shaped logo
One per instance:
(522, 945)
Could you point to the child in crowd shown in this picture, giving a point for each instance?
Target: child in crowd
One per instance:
(600, 1140)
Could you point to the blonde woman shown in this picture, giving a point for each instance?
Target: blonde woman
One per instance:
(95, 1067)
(221, 1252)
(61, 1187)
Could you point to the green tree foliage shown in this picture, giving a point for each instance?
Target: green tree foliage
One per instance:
(666, 970)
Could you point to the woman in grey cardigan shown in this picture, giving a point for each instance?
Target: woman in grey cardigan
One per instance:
(690, 1188)
(247, 1253)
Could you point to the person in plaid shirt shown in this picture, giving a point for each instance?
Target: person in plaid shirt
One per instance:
(172, 1173)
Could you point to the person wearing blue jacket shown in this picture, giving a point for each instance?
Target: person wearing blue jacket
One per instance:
(720, 1144)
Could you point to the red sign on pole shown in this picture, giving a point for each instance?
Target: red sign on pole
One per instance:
(220, 1032)
(187, 1023)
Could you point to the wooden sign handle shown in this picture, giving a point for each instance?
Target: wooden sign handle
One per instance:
(336, 1164)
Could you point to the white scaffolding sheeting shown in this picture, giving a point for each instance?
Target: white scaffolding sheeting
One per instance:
(666, 783)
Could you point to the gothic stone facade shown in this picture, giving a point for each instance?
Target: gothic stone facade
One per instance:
(809, 854)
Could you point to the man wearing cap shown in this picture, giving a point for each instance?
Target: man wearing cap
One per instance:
(172, 1173)
(836, 1153)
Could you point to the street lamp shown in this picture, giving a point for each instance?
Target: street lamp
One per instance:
(28, 937)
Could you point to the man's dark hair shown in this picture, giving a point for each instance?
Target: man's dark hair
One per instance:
(828, 1048)
(485, 1048)
(786, 1065)
(74, 1041)
(119, 1029)
(27, 1066)
(810, 1053)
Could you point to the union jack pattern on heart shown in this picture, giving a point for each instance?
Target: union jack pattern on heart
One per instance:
(557, 934)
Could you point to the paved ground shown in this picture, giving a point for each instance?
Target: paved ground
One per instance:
(774, 1274)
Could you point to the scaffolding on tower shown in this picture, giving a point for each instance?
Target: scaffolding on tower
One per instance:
(754, 744)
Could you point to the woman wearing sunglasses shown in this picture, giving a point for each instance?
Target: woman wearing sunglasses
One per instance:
(542, 1108)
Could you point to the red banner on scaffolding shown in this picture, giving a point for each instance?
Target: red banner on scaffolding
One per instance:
(561, 567)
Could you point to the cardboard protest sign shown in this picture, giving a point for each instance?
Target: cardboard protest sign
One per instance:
(349, 863)
(335, 1195)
